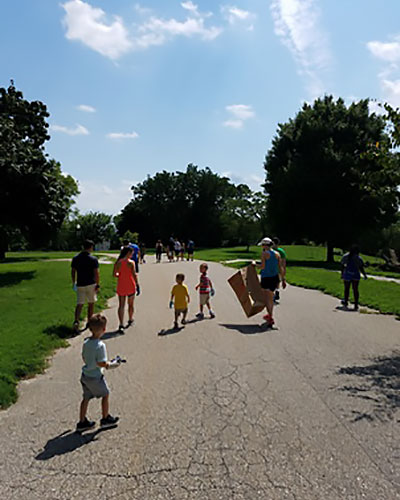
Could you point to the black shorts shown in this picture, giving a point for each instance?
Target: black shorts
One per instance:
(271, 283)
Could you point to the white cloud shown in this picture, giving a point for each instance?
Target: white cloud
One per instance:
(240, 113)
(104, 197)
(391, 91)
(78, 130)
(191, 7)
(297, 24)
(389, 54)
(89, 25)
(123, 135)
(233, 123)
(386, 51)
(86, 108)
(234, 15)
(111, 38)
(157, 31)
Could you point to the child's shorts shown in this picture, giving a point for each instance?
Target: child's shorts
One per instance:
(204, 298)
(94, 387)
(181, 311)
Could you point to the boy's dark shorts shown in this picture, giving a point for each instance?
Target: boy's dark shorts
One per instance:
(94, 387)
(271, 283)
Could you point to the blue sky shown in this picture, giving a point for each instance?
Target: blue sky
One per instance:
(134, 88)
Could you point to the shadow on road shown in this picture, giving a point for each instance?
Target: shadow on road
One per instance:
(248, 329)
(68, 441)
(170, 331)
(112, 335)
(377, 384)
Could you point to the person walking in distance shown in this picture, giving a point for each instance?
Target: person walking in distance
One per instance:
(85, 280)
(159, 249)
(128, 285)
(282, 253)
(135, 254)
(352, 266)
(271, 268)
(190, 249)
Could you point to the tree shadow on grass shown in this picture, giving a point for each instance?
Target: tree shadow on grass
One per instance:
(377, 384)
(68, 441)
(12, 278)
(61, 331)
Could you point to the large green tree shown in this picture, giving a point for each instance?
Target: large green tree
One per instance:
(197, 204)
(322, 181)
(35, 196)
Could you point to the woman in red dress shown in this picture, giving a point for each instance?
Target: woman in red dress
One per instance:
(128, 285)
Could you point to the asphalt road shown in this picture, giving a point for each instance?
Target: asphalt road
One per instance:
(221, 409)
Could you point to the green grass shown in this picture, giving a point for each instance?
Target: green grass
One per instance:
(380, 295)
(37, 304)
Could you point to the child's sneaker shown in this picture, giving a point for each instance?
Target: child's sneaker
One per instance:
(130, 322)
(276, 296)
(200, 315)
(85, 425)
(212, 315)
(183, 321)
(121, 329)
(176, 324)
(109, 421)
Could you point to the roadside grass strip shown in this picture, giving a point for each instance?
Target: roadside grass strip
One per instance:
(37, 310)
(383, 296)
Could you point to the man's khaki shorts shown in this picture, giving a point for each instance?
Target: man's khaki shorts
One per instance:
(86, 294)
(204, 298)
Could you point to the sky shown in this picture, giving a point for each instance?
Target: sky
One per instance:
(136, 88)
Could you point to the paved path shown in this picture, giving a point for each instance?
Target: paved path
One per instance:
(219, 410)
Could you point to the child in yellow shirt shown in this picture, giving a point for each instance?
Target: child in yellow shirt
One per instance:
(180, 299)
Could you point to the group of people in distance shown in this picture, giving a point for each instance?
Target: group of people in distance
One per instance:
(175, 250)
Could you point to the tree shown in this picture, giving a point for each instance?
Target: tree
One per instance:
(184, 204)
(322, 181)
(244, 216)
(35, 196)
(95, 226)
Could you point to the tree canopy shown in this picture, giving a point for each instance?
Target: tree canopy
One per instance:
(35, 196)
(324, 180)
(196, 204)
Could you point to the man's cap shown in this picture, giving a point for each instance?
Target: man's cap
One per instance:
(266, 241)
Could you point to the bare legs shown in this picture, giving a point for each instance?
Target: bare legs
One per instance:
(354, 284)
(269, 301)
(105, 405)
(121, 308)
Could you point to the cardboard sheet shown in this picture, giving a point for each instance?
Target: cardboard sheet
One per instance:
(246, 285)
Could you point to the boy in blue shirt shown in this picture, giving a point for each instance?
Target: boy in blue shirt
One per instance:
(94, 355)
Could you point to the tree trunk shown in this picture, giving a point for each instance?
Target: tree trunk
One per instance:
(3, 244)
(329, 252)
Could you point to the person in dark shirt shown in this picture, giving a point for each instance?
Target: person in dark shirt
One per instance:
(85, 280)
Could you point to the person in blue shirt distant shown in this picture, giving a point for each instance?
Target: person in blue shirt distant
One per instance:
(352, 266)
(136, 253)
(271, 268)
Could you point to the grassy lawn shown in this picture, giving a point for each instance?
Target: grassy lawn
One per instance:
(37, 304)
